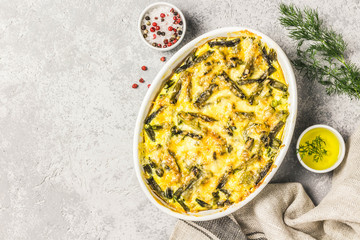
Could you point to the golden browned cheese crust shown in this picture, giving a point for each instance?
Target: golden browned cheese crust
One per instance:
(215, 128)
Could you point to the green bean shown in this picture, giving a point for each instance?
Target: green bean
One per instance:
(263, 172)
(176, 131)
(186, 186)
(226, 192)
(276, 143)
(204, 96)
(249, 144)
(183, 205)
(172, 154)
(249, 81)
(159, 172)
(153, 115)
(278, 85)
(248, 115)
(191, 116)
(225, 43)
(248, 70)
(150, 132)
(276, 129)
(155, 187)
(147, 168)
(169, 83)
(224, 203)
(223, 180)
(233, 86)
(169, 193)
(269, 56)
(193, 61)
(202, 203)
(189, 60)
(176, 92)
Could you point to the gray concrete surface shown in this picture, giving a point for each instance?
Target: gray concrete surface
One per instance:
(67, 110)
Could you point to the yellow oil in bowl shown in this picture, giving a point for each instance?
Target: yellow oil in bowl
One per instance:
(319, 148)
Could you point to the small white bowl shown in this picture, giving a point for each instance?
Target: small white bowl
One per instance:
(341, 150)
(142, 15)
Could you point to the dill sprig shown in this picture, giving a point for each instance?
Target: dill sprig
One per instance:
(320, 51)
(314, 148)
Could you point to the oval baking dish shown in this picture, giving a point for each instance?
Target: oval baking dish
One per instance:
(157, 84)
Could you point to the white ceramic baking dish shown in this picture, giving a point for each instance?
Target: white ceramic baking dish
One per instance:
(165, 72)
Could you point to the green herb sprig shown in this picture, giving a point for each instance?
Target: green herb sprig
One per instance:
(320, 51)
(314, 148)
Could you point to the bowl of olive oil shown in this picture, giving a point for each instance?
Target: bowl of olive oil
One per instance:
(320, 148)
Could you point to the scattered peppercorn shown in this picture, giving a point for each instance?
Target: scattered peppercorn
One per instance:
(144, 68)
(147, 18)
(170, 28)
(175, 18)
(154, 24)
(156, 18)
(152, 29)
(149, 85)
(162, 59)
(148, 23)
(143, 27)
(157, 28)
(135, 85)
(172, 10)
(158, 33)
(153, 44)
(180, 23)
(169, 44)
(162, 20)
(141, 80)
(166, 41)
(145, 35)
(162, 15)
(146, 31)
(180, 32)
(175, 13)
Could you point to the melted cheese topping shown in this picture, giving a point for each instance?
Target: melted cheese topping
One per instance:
(215, 127)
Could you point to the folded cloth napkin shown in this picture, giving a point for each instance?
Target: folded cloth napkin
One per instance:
(285, 211)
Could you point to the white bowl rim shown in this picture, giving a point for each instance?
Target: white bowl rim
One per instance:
(177, 10)
(290, 123)
(342, 148)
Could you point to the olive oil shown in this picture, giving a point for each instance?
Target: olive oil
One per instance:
(331, 145)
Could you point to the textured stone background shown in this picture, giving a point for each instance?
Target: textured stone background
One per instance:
(67, 110)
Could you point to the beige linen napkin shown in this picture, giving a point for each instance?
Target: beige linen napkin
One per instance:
(285, 211)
